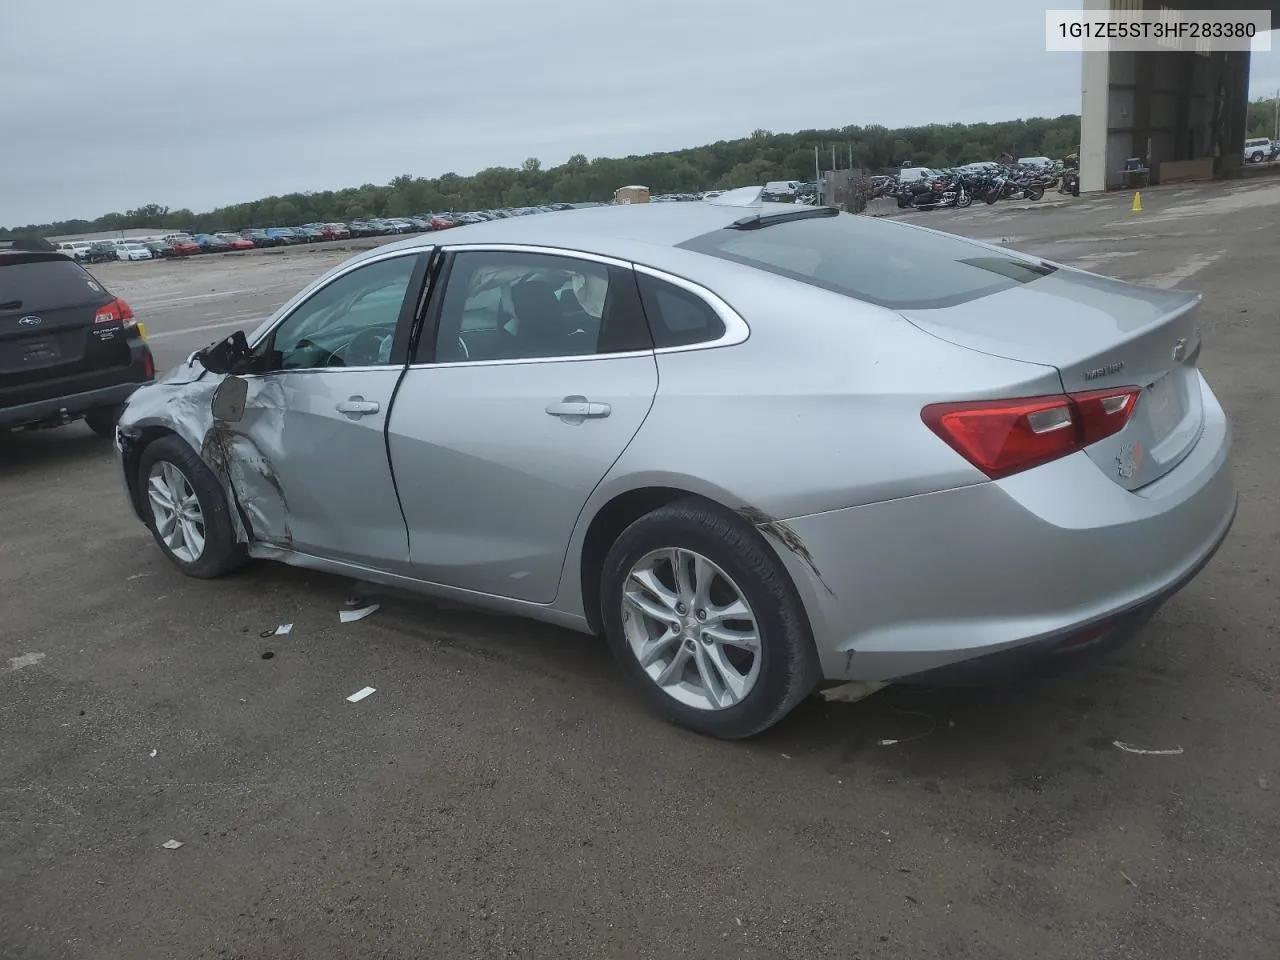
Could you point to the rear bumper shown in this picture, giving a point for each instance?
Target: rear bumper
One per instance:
(63, 409)
(986, 580)
(72, 406)
(1081, 644)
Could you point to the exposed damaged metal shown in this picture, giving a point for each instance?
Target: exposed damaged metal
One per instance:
(260, 512)
(783, 534)
(246, 474)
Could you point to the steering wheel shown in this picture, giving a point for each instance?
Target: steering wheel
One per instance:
(364, 349)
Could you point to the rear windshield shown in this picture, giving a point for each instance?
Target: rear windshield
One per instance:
(887, 264)
(46, 284)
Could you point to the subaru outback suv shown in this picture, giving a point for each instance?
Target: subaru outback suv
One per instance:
(69, 350)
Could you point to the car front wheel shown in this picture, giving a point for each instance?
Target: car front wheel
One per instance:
(186, 510)
(705, 621)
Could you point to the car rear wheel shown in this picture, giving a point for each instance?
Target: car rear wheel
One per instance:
(186, 510)
(705, 621)
(102, 421)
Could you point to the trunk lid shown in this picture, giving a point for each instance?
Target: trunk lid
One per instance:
(1099, 333)
(49, 337)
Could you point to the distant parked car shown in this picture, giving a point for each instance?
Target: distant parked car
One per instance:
(260, 237)
(101, 251)
(1257, 149)
(209, 243)
(133, 251)
(183, 246)
(340, 231)
(366, 228)
(284, 235)
(235, 242)
(76, 249)
(160, 249)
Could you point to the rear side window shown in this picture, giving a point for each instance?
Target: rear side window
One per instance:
(887, 264)
(46, 284)
(677, 317)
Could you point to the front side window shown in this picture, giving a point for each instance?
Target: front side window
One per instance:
(350, 322)
(519, 306)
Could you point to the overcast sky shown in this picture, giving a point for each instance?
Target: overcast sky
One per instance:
(110, 105)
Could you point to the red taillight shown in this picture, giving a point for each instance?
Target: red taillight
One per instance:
(117, 311)
(148, 364)
(1002, 437)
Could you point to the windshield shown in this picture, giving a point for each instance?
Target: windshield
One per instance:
(888, 264)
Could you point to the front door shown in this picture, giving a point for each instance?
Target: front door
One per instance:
(308, 457)
(532, 375)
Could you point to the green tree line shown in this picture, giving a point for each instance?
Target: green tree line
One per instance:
(1261, 118)
(756, 159)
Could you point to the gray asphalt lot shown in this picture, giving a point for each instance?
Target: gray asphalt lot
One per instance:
(502, 794)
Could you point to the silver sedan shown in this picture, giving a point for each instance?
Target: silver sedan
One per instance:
(758, 448)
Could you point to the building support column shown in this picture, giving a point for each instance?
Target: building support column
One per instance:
(1095, 90)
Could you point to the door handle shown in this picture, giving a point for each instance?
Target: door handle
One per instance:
(358, 406)
(576, 409)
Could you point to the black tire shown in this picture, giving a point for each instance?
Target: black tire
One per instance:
(102, 421)
(964, 199)
(1035, 192)
(789, 667)
(222, 553)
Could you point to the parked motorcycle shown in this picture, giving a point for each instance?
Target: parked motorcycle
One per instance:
(1070, 182)
(945, 190)
(1014, 185)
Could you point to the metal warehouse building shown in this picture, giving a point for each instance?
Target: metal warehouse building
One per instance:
(1183, 113)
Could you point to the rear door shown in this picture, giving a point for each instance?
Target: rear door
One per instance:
(532, 375)
(50, 342)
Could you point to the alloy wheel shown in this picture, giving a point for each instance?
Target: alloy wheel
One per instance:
(691, 629)
(176, 511)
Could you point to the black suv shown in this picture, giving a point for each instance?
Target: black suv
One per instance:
(68, 348)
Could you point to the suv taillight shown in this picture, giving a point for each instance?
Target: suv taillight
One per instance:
(1003, 437)
(117, 311)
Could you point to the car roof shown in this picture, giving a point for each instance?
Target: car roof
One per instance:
(626, 231)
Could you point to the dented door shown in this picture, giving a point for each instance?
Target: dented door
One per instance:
(306, 460)
(308, 464)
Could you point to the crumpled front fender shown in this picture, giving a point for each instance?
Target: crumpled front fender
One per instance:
(183, 407)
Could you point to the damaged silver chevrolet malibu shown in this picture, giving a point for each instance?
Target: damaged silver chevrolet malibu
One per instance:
(758, 447)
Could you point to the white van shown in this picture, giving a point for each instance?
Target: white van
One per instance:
(912, 174)
(1257, 149)
(781, 188)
